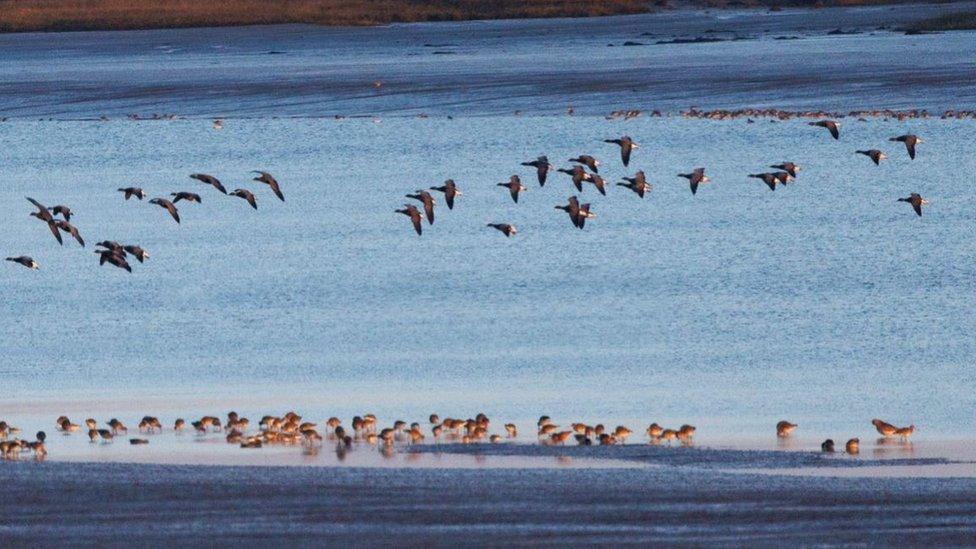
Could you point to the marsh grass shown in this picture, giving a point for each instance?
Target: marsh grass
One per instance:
(64, 15)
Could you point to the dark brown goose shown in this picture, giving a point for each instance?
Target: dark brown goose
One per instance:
(910, 140)
(63, 211)
(26, 261)
(579, 176)
(599, 183)
(572, 208)
(270, 181)
(916, 201)
(832, 126)
(163, 203)
(413, 213)
(70, 229)
(584, 214)
(246, 195)
(875, 155)
(137, 252)
(592, 163)
(626, 145)
(783, 177)
(638, 183)
(787, 167)
(44, 215)
(505, 228)
(514, 187)
(450, 191)
(769, 179)
(133, 191)
(108, 256)
(111, 245)
(209, 180)
(542, 168)
(695, 178)
(428, 201)
(189, 197)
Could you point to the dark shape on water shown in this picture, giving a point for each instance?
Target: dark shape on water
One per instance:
(26, 261)
(506, 228)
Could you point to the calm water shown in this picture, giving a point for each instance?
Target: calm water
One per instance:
(826, 302)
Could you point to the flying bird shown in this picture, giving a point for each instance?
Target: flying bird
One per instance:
(638, 183)
(599, 183)
(109, 256)
(270, 181)
(246, 195)
(542, 168)
(450, 190)
(695, 178)
(44, 215)
(768, 178)
(413, 213)
(832, 126)
(514, 186)
(506, 229)
(209, 180)
(787, 167)
(572, 208)
(133, 191)
(137, 252)
(70, 229)
(910, 140)
(626, 145)
(875, 155)
(189, 197)
(916, 201)
(26, 261)
(63, 211)
(163, 203)
(588, 161)
(428, 201)
(579, 176)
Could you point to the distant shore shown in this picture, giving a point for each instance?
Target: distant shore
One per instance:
(90, 15)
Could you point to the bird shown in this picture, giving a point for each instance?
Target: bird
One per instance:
(573, 209)
(506, 228)
(26, 261)
(827, 446)
(785, 428)
(63, 211)
(428, 202)
(450, 190)
(270, 181)
(209, 180)
(884, 428)
(783, 177)
(246, 195)
(905, 432)
(831, 125)
(109, 256)
(542, 168)
(875, 155)
(70, 229)
(514, 186)
(910, 140)
(626, 145)
(583, 214)
(592, 163)
(112, 246)
(413, 213)
(44, 215)
(695, 178)
(599, 183)
(787, 167)
(916, 201)
(137, 252)
(218, 124)
(163, 203)
(133, 191)
(768, 178)
(853, 446)
(638, 183)
(579, 176)
(189, 197)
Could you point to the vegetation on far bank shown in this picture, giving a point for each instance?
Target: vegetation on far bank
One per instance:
(64, 15)
(955, 21)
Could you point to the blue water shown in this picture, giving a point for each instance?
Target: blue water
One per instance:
(827, 301)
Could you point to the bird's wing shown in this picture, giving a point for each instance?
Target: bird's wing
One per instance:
(55, 231)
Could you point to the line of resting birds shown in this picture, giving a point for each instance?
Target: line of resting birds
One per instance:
(115, 253)
(579, 213)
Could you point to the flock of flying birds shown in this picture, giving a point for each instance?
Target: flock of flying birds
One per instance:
(586, 170)
(58, 219)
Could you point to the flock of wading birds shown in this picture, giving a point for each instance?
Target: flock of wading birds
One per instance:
(58, 219)
(579, 213)
(289, 429)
